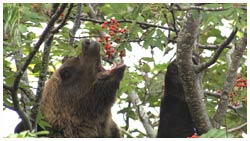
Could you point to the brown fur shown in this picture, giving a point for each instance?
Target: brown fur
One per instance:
(77, 99)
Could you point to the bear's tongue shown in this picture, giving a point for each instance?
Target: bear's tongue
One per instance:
(103, 73)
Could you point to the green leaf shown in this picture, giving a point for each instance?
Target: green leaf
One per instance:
(148, 59)
(210, 133)
(217, 133)
(145, 68)
(195, 14)
(42, 133)
(140, 19)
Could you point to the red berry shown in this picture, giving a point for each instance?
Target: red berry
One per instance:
(108, 52)
(121, 54)
(219, 91)
(106, 38)
(35, 5)
(107, 46)
(117, 24)
(231, 95)
(111, 33)
(235, 5)
(245, 82)
(103, 25)
(236, 103)
(124, 30)
(112, 28)
(112, 50)
(110, 56)
(112, 20)
(118, 39)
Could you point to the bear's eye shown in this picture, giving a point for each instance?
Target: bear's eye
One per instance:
(66, 73)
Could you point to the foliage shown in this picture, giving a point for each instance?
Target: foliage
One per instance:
(215, 133)
(28, 134)
(150, 27)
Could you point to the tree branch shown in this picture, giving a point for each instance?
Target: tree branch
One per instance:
(217, 53)
(20, 73)
(37, 46)
(228, 57)
(237, 128)
(211, 47)
(190, 79)
(129, 21)
(9, 107)
(42, 79)
(55, 30)
(193, 7)
(174, 21)
(230, 81)
(76, 25)
(18, 55)
(134, 98)
(126, 133)
(208, 93)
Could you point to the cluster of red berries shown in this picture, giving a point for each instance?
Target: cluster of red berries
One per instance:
(114, 35)
(241, 82)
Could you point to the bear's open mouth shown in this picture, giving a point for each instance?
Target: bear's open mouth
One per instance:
(104, 73)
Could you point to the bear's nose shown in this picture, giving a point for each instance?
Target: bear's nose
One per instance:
(85, 44)
(90, 47)
(94, 46)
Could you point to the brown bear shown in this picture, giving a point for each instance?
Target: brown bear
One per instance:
(175, 118)
(78, 97)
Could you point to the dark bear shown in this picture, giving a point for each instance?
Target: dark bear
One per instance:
(175, 118)
(78, 97)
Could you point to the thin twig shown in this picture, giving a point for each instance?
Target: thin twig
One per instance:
(9, 107)
(42, 79)
(55, 30)
(126, 133)
(208, 93)
(237, 128)
(76, 25)
(199, 68)
(54, 9)
(193, 7)
(174, 19)
(212, 47)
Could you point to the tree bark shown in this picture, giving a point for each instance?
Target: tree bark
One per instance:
(190, 79)
(230, 81)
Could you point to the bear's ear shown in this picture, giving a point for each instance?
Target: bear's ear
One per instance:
(65, 58)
